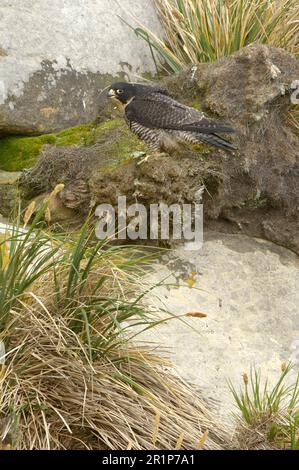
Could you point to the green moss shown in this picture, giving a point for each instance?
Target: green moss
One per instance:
(118, 143)
(79, 135)
(17, 153)
(196, 105)
(113, 138)
(255, 203)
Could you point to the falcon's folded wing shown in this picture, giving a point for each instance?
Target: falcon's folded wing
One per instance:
(159, 111)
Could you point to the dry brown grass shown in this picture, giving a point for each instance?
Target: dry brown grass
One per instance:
(57, 398)
(74, 379)
(292, 118)
(206, 30)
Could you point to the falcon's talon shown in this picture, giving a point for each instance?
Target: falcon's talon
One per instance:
(160, 154)
(164, 123)
(143, 160)
(138, 154)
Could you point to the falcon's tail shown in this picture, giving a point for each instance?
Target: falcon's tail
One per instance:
(217, 141)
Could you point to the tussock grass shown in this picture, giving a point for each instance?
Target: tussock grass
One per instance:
(72, 376)
(206, 30)
(269, 416)
(292, 118)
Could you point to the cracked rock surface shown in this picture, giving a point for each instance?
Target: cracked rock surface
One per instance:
(248, 288)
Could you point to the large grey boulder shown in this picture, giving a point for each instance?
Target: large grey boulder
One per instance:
(57, 56)
(248, 288)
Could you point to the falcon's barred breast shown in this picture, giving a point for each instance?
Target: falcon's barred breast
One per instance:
(163, 123)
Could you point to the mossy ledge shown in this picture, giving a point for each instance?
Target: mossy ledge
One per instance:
(19, 152)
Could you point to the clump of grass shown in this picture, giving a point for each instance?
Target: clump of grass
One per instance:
(292, 118)
(269, 417)
(25, 256)
(206, 30)
(72, 376)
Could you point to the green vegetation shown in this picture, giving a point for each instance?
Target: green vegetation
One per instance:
(73, 377)
(70, 305)
(206, 30)
(113, 136)
(18, 152)
(270, 417)
(116, 142)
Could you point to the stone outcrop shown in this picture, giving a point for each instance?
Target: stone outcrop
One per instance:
(57, 57)
(253, 191)
(244, 325)
(8, 191)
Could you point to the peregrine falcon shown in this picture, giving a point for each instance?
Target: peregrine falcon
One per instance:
(163, 123)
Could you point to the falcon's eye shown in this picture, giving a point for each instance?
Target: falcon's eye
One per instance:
(119, 91)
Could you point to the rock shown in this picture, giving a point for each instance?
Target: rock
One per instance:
(54, 78)
(242, 86)
(258, 191)
(8, 191)
(9, 177)
(56, 210)
(248, 288)
(254, 191)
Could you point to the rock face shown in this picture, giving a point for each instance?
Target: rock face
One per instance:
(248, 290)
(254, 191)
(56, 57)
(8, 191)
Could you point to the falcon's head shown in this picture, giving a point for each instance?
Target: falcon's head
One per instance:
(124, 92)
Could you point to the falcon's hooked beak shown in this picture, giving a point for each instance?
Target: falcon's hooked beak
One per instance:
(111, 93)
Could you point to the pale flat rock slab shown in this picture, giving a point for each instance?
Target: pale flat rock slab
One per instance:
(249, 290)
(9, 177)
